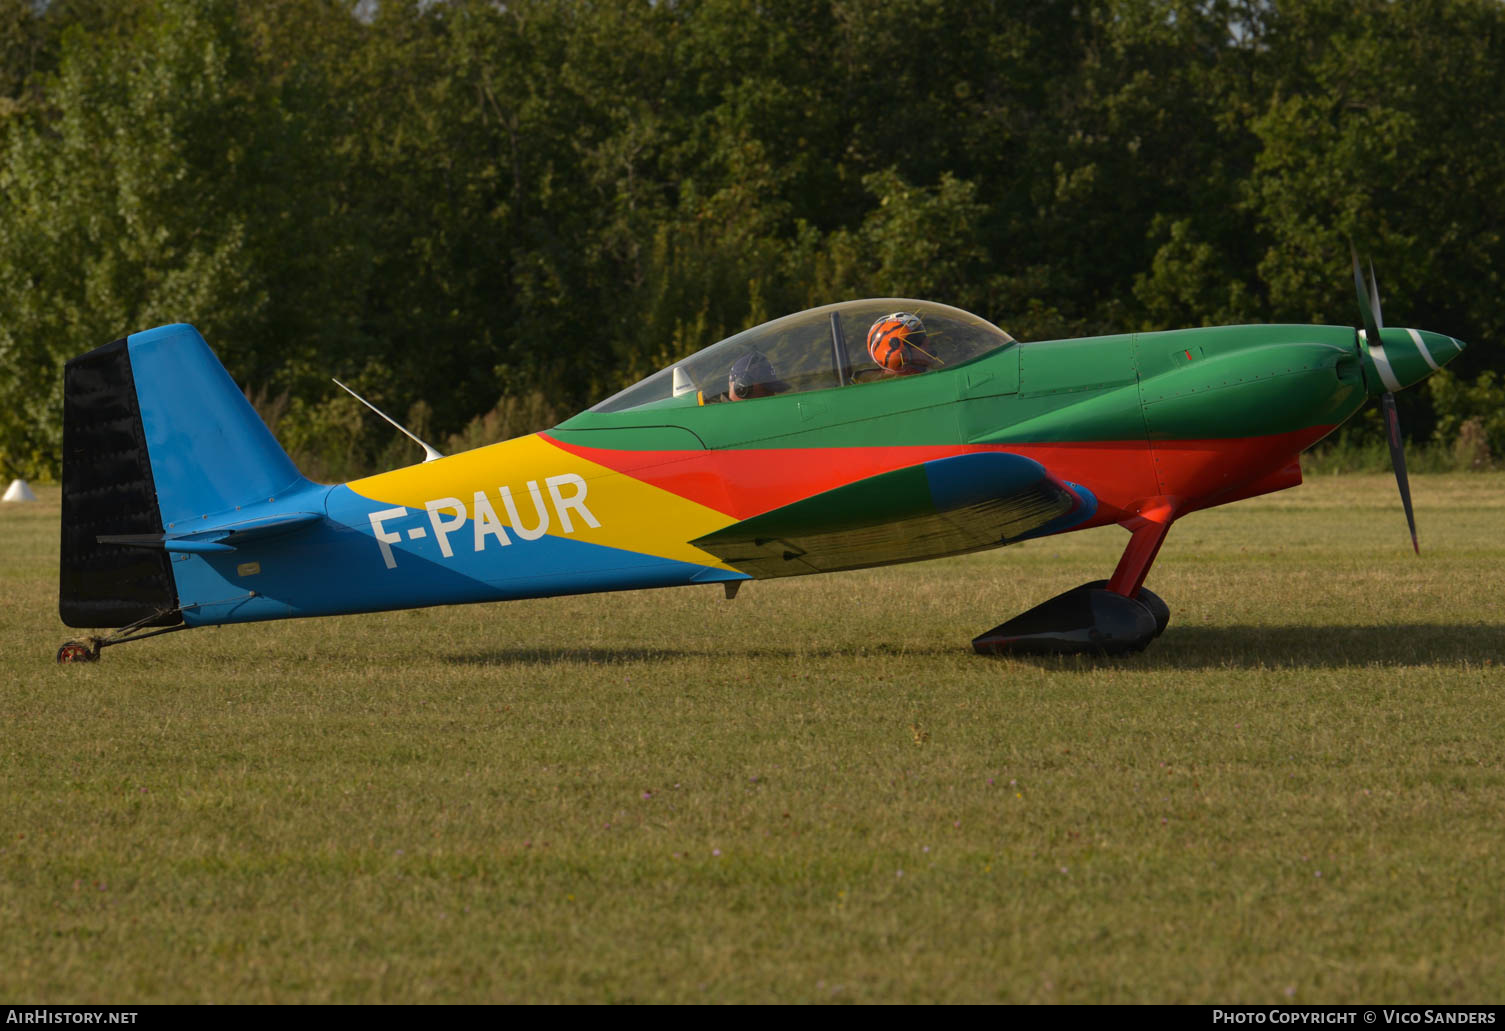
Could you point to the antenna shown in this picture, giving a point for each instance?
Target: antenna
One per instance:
(429, 454)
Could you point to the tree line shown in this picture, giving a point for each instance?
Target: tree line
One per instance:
(487, 214)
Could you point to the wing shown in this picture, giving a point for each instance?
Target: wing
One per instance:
(942, 507)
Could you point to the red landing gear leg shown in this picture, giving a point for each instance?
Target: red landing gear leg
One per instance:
(1149, 529)
(1106, 617)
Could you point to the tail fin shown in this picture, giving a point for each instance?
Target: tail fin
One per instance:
(154, 433)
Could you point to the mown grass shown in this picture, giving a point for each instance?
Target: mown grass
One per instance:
(814, 792)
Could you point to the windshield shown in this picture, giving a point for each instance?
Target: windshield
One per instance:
(817, 350)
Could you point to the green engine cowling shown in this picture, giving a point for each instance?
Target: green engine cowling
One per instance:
(1243, 381)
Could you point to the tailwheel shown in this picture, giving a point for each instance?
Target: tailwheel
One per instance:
(78, 651)
(88, 649)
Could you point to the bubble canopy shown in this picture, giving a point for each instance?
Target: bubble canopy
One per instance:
(819, 349)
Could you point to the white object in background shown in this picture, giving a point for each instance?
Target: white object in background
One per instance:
(18, 491)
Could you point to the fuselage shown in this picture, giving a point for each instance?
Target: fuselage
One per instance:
(613, 500)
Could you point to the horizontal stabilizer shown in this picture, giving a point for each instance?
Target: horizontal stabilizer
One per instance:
(196, 540)
(963, 503)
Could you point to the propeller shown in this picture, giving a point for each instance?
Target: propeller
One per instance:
(1369, 308)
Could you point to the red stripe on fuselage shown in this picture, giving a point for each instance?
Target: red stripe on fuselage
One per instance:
(1209, 472)
(1198, 473)
(746, 482)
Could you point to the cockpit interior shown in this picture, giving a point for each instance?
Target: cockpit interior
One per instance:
(834, 346)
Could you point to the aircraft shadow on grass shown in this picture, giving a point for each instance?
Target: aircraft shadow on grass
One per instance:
(747, 657)
(525, 656)
(1306, 647)
(1181, 648)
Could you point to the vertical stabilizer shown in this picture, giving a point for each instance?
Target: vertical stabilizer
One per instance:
(209, 449)
(155, 433)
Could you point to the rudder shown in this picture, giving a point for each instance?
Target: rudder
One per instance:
(108, 488)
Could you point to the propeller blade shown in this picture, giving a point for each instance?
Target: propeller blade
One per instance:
(1374, 296)
(1398, 460)
(1368, 303)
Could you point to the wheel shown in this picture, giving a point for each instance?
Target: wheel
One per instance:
(1150, 600)
(1086, 620)
(1157, 606)
(77, 651)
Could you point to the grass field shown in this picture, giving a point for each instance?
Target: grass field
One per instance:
(812, 793)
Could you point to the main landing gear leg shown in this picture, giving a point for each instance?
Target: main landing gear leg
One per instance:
(1104, 617)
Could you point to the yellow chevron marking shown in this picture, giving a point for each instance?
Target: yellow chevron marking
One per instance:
(541, 481)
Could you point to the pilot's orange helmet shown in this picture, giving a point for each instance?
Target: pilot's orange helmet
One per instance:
(899, 345)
